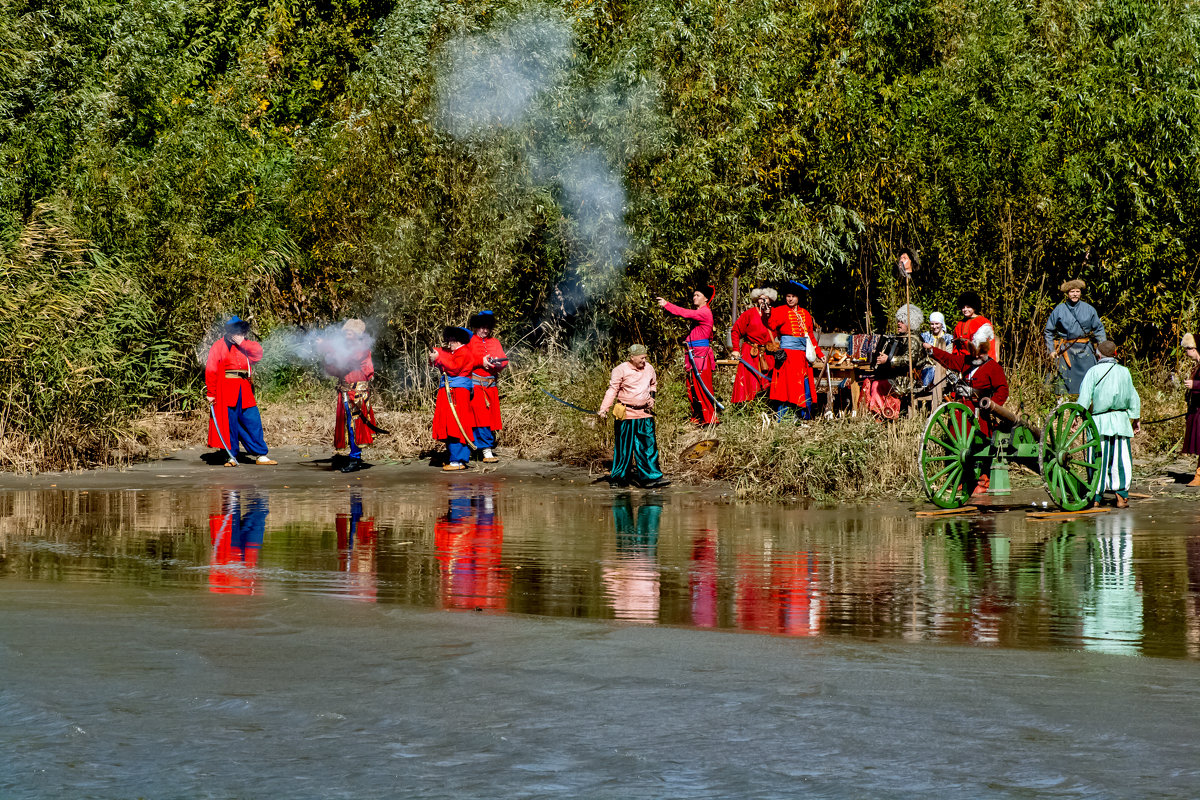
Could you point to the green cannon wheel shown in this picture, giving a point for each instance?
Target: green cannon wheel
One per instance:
(946, 455)
(1069, 458)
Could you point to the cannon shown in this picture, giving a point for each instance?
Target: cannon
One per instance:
(955, 454)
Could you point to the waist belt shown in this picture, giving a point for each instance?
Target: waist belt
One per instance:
(793, 342)
(698, 343)
(456, 381)
(484, 380)
(235, 373)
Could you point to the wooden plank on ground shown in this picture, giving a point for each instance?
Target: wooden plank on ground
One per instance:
(1066, 514)
(947, 512)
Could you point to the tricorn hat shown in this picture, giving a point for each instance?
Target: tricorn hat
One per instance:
(453, 333)
(483, 319)
(970, 299)
(1072, 284)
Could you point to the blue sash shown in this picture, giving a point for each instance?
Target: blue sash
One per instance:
(793, 342)
(700, 343)
(456, 382)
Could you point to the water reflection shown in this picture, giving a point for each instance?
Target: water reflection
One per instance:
(470, 542)
(356, 546)
(1113, 582)
(237, 532)
(631, 583)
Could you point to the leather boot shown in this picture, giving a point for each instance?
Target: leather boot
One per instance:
(1196, 480)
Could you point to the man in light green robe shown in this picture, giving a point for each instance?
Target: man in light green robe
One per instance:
(1107, 391)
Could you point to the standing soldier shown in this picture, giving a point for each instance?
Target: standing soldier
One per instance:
(972, 321)
(751, 337)
(1070, 330)
(453, 417)
(1191, 436)
(234, 419)
(630, 395)
(698, 355)
(349, 360)
(1107, 390)
(792, 385)
(485, 400)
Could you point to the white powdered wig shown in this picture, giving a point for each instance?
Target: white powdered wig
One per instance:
(984, 334)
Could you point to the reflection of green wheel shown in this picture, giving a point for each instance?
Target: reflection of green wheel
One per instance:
(1069, 458)
(946, 455)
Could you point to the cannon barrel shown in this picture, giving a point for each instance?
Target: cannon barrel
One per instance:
(989, 406)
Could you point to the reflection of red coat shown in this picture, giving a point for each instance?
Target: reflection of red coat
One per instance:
(227, 392)
(965, 329)
(789, 381)
(456, 364)
(360, 369)
(486, 400)
(784, 599)
(469, 549)
(702, 580)
(749, 330)
(232, 561)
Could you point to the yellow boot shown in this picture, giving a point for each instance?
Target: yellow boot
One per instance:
(1196, 480)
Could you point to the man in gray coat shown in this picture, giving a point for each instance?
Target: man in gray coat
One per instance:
(1072, 328)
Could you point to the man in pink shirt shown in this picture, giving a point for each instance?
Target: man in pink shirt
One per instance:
(631, 396)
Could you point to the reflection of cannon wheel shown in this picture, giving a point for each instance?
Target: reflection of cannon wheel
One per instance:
(1069, 458)
(699, 450)
(947, 455)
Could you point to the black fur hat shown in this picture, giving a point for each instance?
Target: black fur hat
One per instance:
(452, 333)
(483, 319)
(970, 299)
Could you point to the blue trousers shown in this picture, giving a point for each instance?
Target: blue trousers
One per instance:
(635, 453)
(355, 450)
(245, 425)
(485, 437)
(459, 451)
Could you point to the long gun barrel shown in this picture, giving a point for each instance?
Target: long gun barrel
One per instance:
(988, 406)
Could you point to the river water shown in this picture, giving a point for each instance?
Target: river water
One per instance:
(524, 638)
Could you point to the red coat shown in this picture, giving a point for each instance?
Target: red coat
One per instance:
(789, 381)
(486, 400)
(748, 332)
(965, 329)
(988, 379)
(358, 368)
(457, 364)
(227, 391)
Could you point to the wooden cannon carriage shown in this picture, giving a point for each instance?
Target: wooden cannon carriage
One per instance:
(954, 454)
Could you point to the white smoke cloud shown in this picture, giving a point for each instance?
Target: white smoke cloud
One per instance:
(328, 347)
(498, 80)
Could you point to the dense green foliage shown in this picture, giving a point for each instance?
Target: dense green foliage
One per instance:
(290, 160)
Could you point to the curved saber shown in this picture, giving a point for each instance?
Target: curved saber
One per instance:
(717, 404)
(457, 421)
(213, 412)
(757, 374)
(564, 402)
